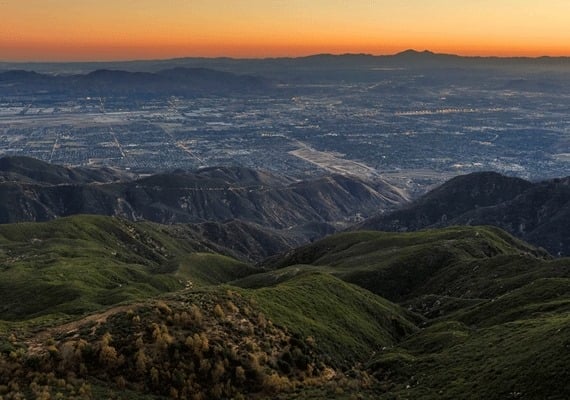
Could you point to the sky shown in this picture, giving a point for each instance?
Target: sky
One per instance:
(81, 30)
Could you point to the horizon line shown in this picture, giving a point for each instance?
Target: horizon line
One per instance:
(285, 57)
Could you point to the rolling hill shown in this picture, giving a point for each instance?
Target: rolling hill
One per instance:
(83, 263)
(456, 262)
(535, 212)
(155, 311)
(107, 304)
(495, 308)
(274, 213)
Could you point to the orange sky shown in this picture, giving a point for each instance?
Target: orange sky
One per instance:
(64, 30)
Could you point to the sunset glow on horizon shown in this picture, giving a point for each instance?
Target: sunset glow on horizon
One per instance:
(72, 30)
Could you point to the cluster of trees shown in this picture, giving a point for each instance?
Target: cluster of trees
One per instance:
(202, 347)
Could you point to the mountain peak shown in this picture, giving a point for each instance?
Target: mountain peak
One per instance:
(413, 52)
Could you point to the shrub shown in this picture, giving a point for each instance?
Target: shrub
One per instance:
(240, 374)
(154, 377)
(231, 307)
(196, 315)
(218, 312)
(163, 307)
(141, 361)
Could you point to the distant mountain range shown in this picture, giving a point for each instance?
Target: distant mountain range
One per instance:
(287, 76)
(106, 82)
(285, 66)
(243, 208)
(536, 212)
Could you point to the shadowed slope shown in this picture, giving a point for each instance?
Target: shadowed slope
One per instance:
(535, 212)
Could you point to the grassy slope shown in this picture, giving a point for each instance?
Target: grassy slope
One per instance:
(348, 323)
(498, 308)
(499, 324)
(467, 262)
(79, 264)
(543, 296)
(527, 359)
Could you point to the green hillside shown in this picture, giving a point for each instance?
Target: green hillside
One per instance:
(74, 265)
(303, 339)
(525, 359)
(466, 262)
(98, 307)
(497, 310)
(348, 323)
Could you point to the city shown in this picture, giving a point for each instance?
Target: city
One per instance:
(404, 132)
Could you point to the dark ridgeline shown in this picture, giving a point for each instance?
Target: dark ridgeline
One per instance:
(536, 212)
(257, 213)
(106, 82)
(188, 74)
